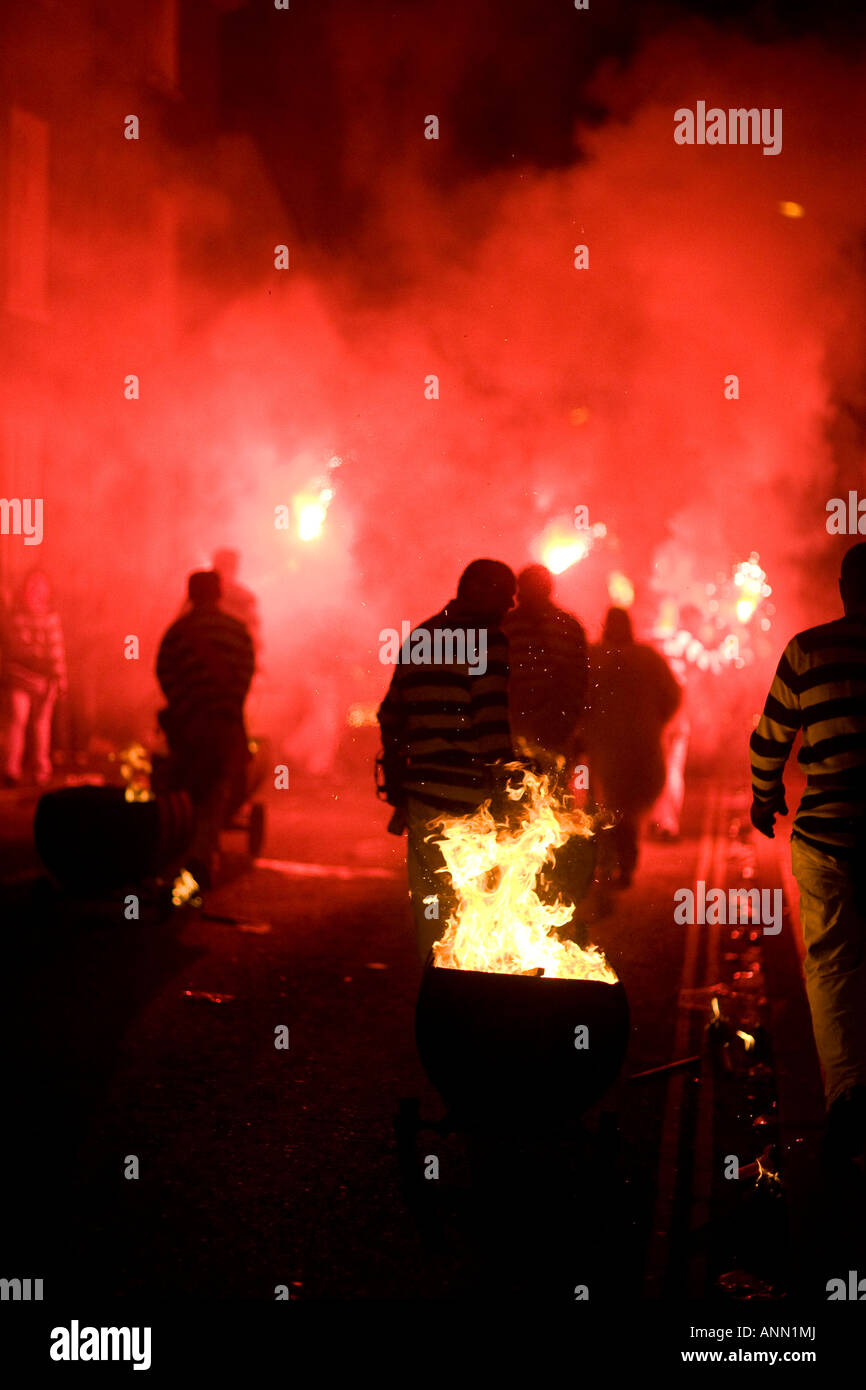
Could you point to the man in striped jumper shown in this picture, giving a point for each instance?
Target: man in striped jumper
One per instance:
(444, 724)
(204, 666)
(819, 690)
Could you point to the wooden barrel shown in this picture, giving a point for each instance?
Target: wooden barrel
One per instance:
(92, 839)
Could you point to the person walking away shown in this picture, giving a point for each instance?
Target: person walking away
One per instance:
(444, 726)
(633, 695)
(204, 667)
(819, 691)
(34, 674)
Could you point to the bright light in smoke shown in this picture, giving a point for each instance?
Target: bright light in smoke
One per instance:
(620, 589)
(750, 579)
(560, 546)
(310, 512)
(561, 555)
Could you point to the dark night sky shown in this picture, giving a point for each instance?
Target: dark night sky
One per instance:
(508, 81)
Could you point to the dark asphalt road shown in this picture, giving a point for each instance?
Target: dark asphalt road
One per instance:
(260, 1167)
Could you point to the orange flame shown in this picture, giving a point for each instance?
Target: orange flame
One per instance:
(501, 926)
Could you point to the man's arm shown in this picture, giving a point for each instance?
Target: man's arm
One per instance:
(772, 740)
(392, 726)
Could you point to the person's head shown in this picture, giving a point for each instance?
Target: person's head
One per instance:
(227, 563)
(534, 586)
(618, 631)
(852, 582)
(203, 586)
(34, 594)
(487, 587)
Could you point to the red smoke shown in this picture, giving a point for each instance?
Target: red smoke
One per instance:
(558, 387)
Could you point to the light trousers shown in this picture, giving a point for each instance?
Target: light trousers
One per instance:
(834, 930)
(22, 706)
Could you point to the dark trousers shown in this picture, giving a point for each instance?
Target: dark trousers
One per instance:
(209, 761)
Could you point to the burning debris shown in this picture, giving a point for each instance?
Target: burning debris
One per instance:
(505, 922)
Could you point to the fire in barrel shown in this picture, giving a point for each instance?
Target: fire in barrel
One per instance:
(515, 1023)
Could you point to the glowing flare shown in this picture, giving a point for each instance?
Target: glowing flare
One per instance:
(620, 589)
(559, 547)
(501, 925)
(310, 512)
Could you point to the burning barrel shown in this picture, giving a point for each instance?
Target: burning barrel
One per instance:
(516, 1024)
(93, 839)
(519, 1049)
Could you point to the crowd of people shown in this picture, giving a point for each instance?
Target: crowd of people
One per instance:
(547, 695)
(543, 693)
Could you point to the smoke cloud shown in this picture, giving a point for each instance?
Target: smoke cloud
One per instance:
(557, 387)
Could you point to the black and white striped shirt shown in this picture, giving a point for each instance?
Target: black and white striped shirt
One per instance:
(819, 690)
(205, 665)
(447, 726)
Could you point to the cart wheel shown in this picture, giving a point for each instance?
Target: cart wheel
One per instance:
(256, 829)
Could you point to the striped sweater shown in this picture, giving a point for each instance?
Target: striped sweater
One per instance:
(446, 727)
(205, 665)
(33, 651)
(819, 690)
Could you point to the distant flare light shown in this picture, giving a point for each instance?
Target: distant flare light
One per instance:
(750, 580)
(560, 546)
(620, 589)
(560, 554)
(310, 507)
(310, 512)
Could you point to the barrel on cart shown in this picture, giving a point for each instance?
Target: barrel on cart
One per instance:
(243, 812)
(92, 839)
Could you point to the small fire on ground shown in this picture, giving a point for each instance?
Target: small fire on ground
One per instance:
(501, 925)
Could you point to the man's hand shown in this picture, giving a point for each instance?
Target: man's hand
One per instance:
(764, 814)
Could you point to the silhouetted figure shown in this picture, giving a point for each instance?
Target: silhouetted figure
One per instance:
(819, 690)
(204, 666)
(667, 811)
(237, 600)
(548, 659)
(33, 674)
(443, 728)
(633, 694)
